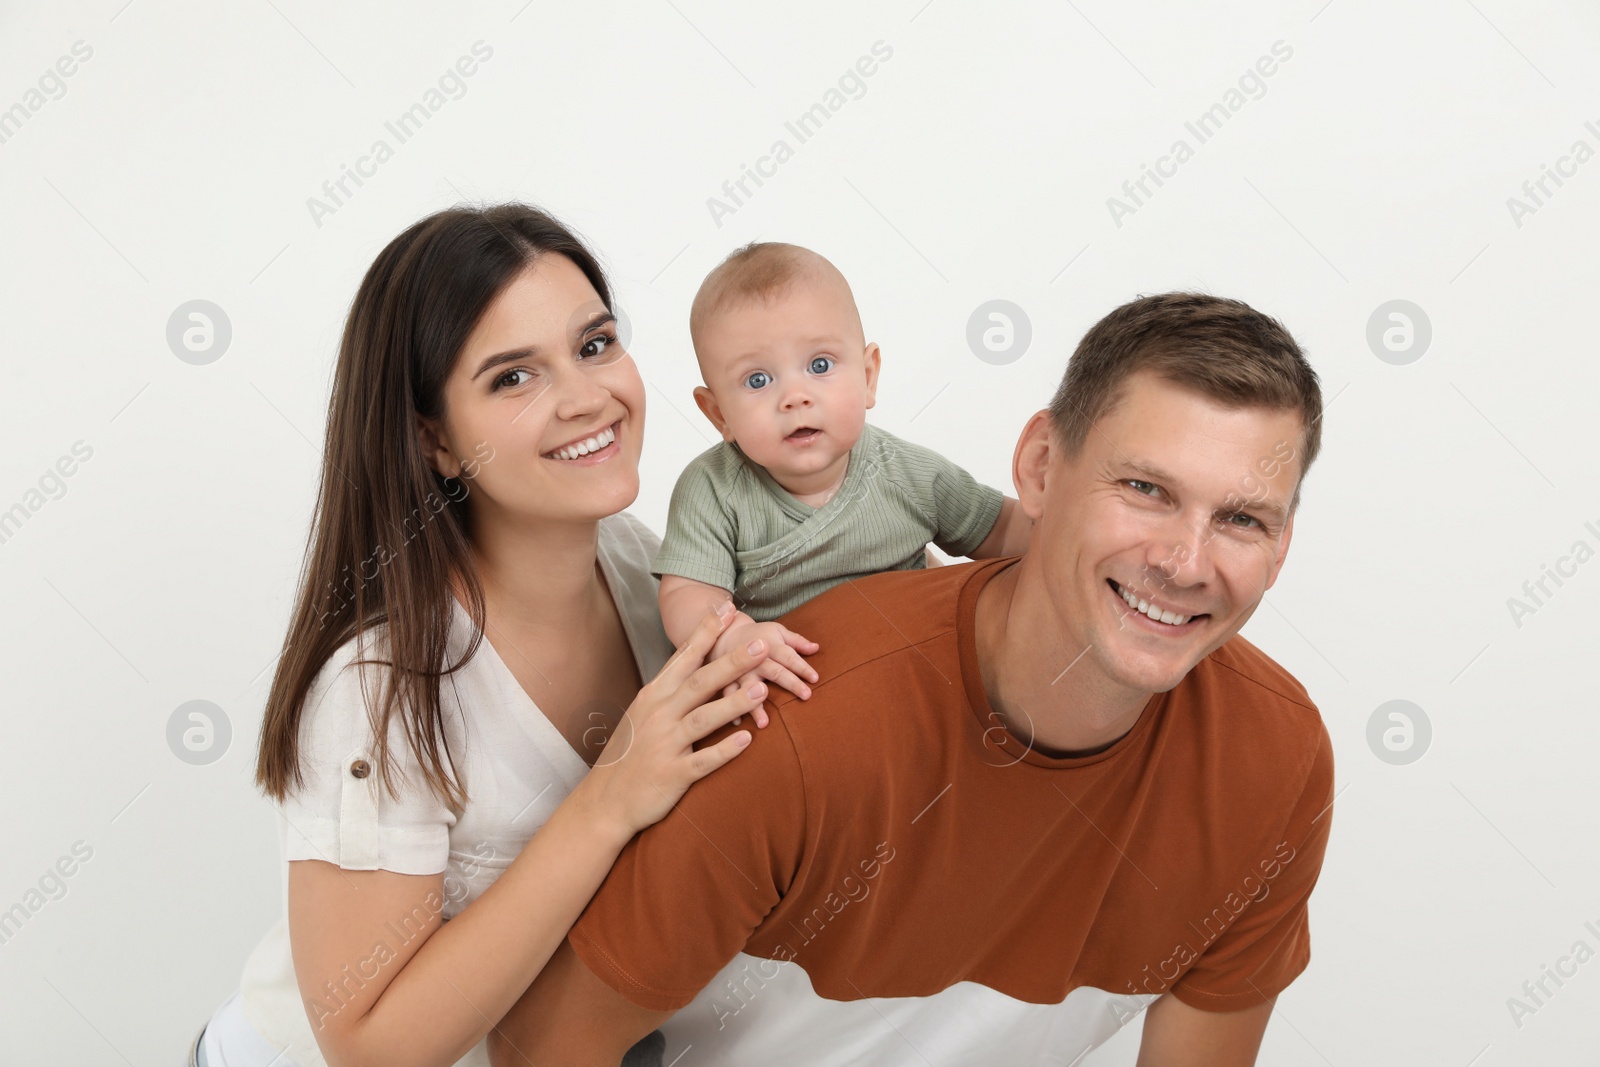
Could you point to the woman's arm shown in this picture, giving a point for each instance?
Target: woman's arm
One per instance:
(386, 982)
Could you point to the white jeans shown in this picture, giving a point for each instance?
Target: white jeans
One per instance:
(229, 1040)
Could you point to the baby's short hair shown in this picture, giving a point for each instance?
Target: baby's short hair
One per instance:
(759, 270)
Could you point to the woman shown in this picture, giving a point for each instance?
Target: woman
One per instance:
(473, 619)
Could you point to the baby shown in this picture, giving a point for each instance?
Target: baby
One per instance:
(802, 494)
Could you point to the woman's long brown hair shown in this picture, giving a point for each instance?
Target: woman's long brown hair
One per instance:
(388, 532)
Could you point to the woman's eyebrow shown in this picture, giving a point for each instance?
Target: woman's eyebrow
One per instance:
(525, 352)
(600, 318)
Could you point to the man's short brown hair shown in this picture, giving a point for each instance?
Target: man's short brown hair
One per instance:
(1223, 349)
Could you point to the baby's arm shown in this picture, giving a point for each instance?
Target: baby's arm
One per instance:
(684, 602)
(959, 506)
(1011, 533)
(700, 541)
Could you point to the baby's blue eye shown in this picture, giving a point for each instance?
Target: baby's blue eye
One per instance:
(758, 379)
(821, 364)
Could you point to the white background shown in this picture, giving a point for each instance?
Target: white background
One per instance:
(976, 165)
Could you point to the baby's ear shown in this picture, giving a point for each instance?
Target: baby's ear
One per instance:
(873, 358)
(707, 401)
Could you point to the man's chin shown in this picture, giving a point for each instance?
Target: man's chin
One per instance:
(1147, 674)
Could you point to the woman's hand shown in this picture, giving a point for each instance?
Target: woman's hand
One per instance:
(651, 761)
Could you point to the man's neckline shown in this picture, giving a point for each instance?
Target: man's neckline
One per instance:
(997, 740)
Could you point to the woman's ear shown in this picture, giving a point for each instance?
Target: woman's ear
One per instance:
(437, 454)
(707, 400)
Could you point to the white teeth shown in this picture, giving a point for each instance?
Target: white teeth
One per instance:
(1146, 608)
(583, 448)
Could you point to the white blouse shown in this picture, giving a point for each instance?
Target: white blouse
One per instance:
(514, 763)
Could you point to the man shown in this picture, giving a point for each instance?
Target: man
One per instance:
(1030, 797)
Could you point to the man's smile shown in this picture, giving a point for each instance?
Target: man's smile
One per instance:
(1168, 620)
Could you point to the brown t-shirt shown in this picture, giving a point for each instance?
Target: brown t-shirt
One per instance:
(901, 851)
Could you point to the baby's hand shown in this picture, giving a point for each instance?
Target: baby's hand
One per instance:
(783, 665)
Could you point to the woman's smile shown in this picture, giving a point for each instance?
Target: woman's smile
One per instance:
(588, 450)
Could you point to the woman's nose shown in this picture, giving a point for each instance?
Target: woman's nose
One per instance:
(578, 393)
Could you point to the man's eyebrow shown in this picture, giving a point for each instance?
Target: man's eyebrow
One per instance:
(1156, 474)
(1148, 470)
(600, 318)
(1277, 511)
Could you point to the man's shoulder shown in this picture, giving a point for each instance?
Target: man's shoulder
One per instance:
(890, 673)
(1240, 664)
(879, 613)
(869, 619)
(1262, 710)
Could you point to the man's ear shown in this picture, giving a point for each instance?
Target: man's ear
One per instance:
(1030, 463)
(873, 357)
(437, 454)
(707, 400)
